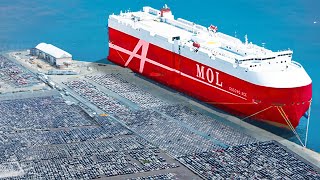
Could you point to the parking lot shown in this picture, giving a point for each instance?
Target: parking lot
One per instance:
(211, 127)
(41, 113)
(45, 138)
(167, 133)
(97, 97)
(174, 128)
(14, 75)
(184, 133)
(113, 128)
(263, 160)
(133, 93)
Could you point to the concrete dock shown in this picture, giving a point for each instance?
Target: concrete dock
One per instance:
(108, 122)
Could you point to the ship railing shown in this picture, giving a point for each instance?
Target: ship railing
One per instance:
(185, 21)
(288, 51)
(257, 59)
(199, 27)
(297, 64)
(181, 25)
(151, 10)
(194, 28)
(228, 39)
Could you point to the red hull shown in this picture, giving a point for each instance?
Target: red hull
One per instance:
(215, 87)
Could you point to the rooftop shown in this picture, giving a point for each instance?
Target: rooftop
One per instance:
(53, 50)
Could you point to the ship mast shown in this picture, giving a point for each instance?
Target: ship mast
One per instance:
(246, 39)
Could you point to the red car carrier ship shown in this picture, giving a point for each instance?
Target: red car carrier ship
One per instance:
(241, 78)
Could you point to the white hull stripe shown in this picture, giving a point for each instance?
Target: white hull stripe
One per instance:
(145, 59)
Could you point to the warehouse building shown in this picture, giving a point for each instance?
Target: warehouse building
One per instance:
(52, 54)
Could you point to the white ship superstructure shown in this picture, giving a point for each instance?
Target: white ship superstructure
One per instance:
(212, 45)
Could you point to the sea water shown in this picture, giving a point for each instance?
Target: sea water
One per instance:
(80, 27)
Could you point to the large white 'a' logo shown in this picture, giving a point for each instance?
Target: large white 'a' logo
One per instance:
(142, 57)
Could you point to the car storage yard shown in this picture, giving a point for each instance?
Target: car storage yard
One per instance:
(110, 123)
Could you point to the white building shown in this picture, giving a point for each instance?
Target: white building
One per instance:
(54, 55)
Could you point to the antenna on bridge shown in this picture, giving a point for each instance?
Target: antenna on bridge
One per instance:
(263, 44)
(235, 34)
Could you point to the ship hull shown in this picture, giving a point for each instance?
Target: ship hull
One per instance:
(226, 92)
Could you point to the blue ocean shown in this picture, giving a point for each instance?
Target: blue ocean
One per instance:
(79, 27)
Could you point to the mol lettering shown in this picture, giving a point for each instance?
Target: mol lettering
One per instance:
(209, 75)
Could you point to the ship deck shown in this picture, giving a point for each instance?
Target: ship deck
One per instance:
(215, 45)
(149, 23)
(209, 44)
